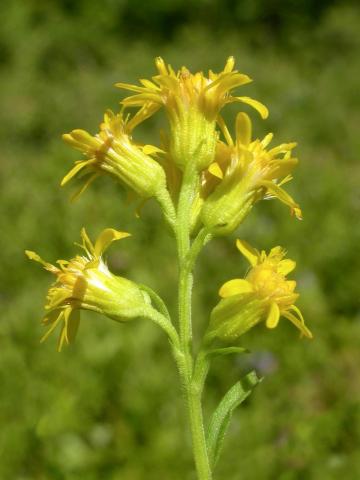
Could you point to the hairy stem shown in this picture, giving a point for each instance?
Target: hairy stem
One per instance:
(192, 392)
(167, 206)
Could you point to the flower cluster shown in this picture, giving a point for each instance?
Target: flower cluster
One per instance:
(233, 175)
(221, 178)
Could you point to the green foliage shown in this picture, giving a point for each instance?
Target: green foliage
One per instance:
(220, 419)
(109, 406)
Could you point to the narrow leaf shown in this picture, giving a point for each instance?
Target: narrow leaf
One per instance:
(227, 351)
(221, 417)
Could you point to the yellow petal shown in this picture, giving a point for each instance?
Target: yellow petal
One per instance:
(62, 339)
(34, 256)
(105, 238)
(283, 148)
(291, 284)
(160, 65)
(273, 316)
(277, 252)
(52, 328)
(298, 213)
(243, 128)
(84, 137)
(215, 170)
(146, 111)
(77, 167)
(151, 149)
(287, 179)
(258, 106)
(51, 317)
(282, 168)
(225, 130)
(67, 313)
(149, 84)
(82, 189)
(283, 196)
(266, 140)
(128, 86)
(234, 287)
(227, 81)
(286, 266)
(87, 243)
(229, 66)
(298, 322)
(250, 253)
(141, 99)
(168, 82)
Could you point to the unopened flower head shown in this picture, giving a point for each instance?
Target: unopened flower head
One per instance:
(245, 172)
(264, 294)
(85, 282)
(192, 103)
(112, 151)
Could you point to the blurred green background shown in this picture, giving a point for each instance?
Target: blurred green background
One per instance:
(110, 406)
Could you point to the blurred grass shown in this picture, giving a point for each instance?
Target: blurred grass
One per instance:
(110, 407)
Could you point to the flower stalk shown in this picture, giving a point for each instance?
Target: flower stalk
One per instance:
(192, 392)
(206, 184)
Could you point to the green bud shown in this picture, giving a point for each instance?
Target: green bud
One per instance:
(227, 206)
(193, 138)
(113, 152)
(86, 283)
(235, 315)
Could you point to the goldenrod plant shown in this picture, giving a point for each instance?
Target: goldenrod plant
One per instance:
(206, 183)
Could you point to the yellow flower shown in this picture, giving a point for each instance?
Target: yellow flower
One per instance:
(245, 172)
(85, 282)
(264, 294)
(112, 151)
(192, 103)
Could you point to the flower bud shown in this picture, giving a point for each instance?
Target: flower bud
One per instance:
(264, 294)
(85, 282)
(192, 103)
(247, 173)
(112, 151)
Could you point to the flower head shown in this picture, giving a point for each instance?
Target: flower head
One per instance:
(245, 172)
(183, 90)
(264, 294)
(85, 282)
(192, 103)
(113, 151)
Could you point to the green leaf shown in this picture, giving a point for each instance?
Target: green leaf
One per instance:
(221, 417)
(227, 351)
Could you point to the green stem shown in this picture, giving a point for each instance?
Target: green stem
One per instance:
(158, 301)
(186, 263)
(164, 323)
(167, 206)
(190, 181)
(198, 244)
(201, 369)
